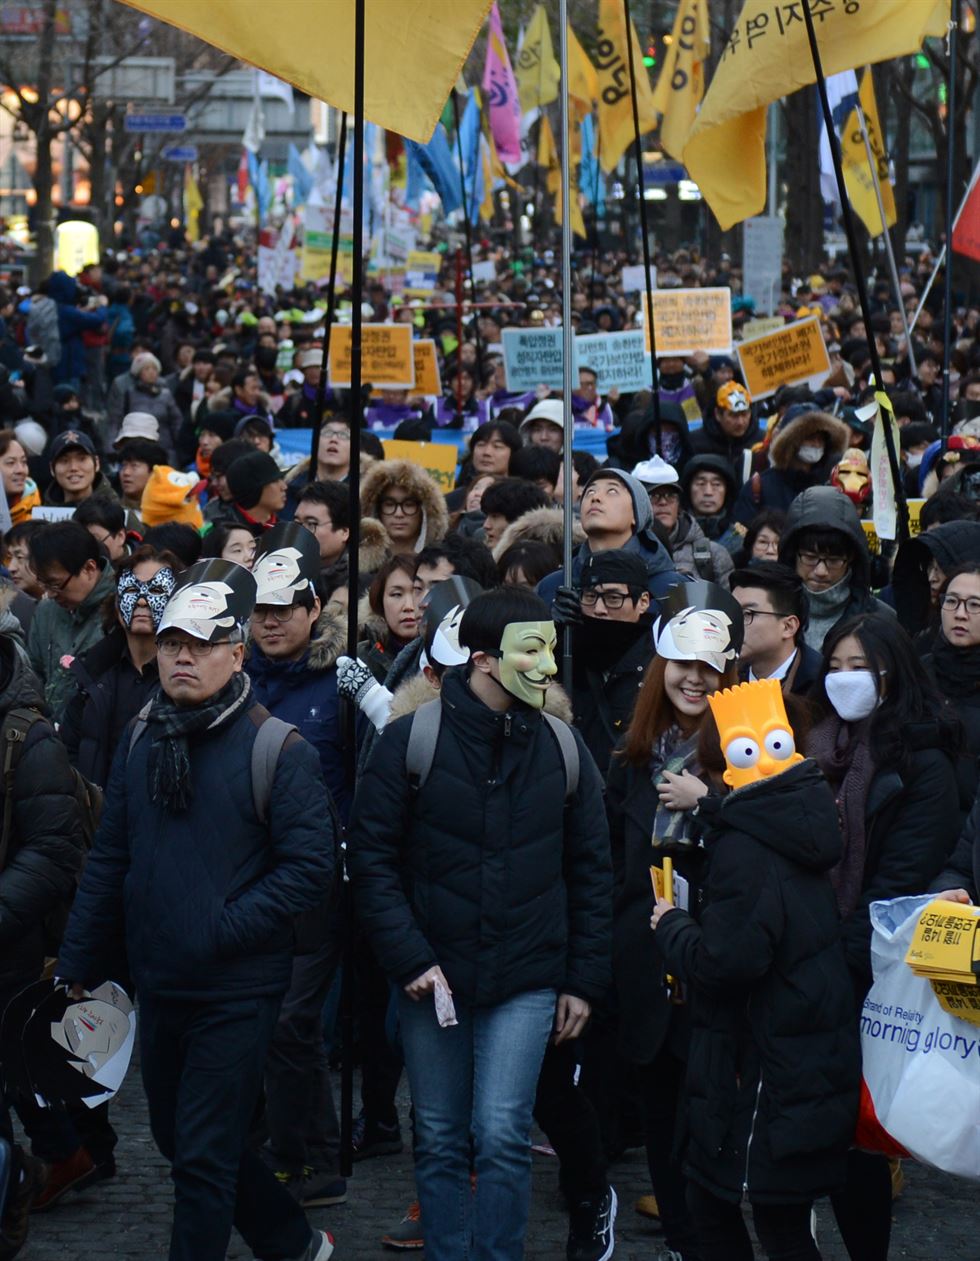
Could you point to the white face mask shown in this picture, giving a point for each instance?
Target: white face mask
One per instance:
(913, 461)
(853, 693)
(810, 452)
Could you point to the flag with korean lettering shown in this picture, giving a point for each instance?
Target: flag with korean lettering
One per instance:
(859, 178)
(616, 129)
(681, 84)
(500, 88)
(538, 73)
(766, 57)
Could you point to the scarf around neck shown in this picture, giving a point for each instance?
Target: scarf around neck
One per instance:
(956, 670)
(843, 752)
(172, 726)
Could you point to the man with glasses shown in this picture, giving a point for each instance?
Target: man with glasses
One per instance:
(324, 510)
(76, 578)
(213, 881)
(825, 544)
(693, 553)
(775, 609)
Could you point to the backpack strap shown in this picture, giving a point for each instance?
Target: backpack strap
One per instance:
(568, 749)
(422, 740)
(270, 738)
(17, 724)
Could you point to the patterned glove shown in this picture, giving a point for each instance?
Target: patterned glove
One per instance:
(356, 683)
(566, 609)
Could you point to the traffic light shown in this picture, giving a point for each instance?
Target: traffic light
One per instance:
(650, 56)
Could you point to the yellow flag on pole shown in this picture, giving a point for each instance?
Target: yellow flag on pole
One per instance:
(538, 73)
(615, 104)
(193, 204)
(858, 175)
(767, 56)
(583, 82)
(548, 158)
(680, 88)
(412, 51)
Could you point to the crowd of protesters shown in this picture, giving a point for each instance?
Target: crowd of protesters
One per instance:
(509, 951)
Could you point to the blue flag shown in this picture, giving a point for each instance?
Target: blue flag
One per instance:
(590, 181)
(436, 161)
(302, 179)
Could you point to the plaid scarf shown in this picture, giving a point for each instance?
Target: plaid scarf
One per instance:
(171, 726)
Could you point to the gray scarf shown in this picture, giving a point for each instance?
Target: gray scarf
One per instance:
(826, 608)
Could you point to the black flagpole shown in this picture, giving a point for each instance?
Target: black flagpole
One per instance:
(950, 186)
(354, 486)
(862, 286)
(638, 151)
(321, 385)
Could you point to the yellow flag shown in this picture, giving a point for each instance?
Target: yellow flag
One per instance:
(486, 206)
(858, 176)
(548, 158)
(538, 73)
(583, 82)
(616, 129)
(680, 87)
(412, 52)
(767, 57)
(193, 204)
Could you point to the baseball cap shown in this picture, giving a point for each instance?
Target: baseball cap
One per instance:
(71, 440)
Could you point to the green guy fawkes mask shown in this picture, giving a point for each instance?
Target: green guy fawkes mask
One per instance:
(527, 660)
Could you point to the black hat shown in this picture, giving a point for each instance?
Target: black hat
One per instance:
(616, 565)
(71, 440)
(287, 561)
(442, 613)
(248, 477)
(221, 423)
(699, 621)
(211, 600)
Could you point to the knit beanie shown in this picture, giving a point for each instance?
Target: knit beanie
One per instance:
(169, 496)
(249, 475)
(642, 511)
(220, 423)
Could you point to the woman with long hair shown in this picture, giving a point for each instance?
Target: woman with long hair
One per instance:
(887, 747)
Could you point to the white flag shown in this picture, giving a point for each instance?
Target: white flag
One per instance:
(268, 85)
(842, 95)
(254, 132)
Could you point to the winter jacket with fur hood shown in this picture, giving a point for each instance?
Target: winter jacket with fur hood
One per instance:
(540, 525)
(779, 485)
(414, 481)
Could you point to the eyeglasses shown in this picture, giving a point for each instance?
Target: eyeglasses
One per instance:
(281, 612)
(611, 599)
(196, 647)
(56, 586)
(338, 431)
(749, 615)
(664, 496)
(952, 604)
(833, 564)
(408, 507)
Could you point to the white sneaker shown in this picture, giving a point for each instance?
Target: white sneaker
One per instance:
(321, 1247)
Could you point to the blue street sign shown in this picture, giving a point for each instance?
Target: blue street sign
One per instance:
(180, 153)
(664, 172)
(155, 122)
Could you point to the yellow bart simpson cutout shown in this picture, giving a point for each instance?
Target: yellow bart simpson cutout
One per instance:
(756, 738)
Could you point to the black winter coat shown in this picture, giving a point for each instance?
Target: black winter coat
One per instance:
(774, 1064)
(206, 895)
(484, 870)
(962, 870)
(604, 695)
(45, 849)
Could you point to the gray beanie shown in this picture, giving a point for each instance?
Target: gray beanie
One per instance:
(642, 510)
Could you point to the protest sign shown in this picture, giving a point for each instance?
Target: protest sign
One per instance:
(689, 320)
(533, 357)
(484, 272)
(277, 259)
(755, 328)
(314, 262)
(633, 281)
(439, 459)
(386, 355)
(792, 354)
(52, 513)
(427, 380)
(762, 261)
(422, 273)
(619, 359)
(871, 534)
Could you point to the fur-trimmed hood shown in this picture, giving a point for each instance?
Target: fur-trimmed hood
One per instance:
(415, 481)
(417, 690)
(224, 401)
(329, 639)
(540, 525)
(791, 435)
(298, 471)
(374, 548)
(370, 624)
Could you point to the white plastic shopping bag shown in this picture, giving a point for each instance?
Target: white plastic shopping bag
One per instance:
(921, 1065)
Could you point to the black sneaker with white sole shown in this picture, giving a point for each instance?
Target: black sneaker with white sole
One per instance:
(590, 1232)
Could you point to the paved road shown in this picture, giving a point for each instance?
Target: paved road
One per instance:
(128, 1218)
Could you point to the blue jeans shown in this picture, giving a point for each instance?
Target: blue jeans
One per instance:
(477, 1079)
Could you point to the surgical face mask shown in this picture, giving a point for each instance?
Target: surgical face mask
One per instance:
(853, 693)
(156, 593)
(527, 660)
(810, 452)
(914, 459)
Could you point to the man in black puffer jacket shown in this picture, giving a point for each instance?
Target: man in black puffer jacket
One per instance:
(482, 882)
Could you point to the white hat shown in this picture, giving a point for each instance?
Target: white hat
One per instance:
(138, 425)
(656, 472)
(550, 409)
(311, 358)
(31, 436)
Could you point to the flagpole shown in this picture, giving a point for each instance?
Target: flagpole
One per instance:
(925, 292)
(353, 585)
(566, 339)
(954, 22)
(655, 376)
(889, 248)
(321, 384)
(860, 281)
(595, 218)
(466, 225)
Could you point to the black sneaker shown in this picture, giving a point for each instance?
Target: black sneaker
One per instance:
(590, 1232)
(372, 1138)
(21, 1194)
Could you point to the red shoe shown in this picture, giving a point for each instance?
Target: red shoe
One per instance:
(66, 1175)
(407, 1235)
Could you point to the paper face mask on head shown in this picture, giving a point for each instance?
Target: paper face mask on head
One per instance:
(699, 621)
(527, 660)
(755, 733)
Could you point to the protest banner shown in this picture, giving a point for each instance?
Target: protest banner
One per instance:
(871, 534)
(484, 272)
(314, 261)
(762, 261)
(386, 356)
(791, 355)
(619, 359)
(633, 279)
(422, 273)
(52, 513)
(427, 379)
(755, 328)
(689, 320)
(532, 357)
(439, 459)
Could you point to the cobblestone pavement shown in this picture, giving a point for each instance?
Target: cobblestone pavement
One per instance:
(936, 1216)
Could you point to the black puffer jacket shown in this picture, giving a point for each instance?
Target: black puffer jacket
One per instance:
(774, 1063)
(632, 444)
(44, 855)
(609, 660)
(484, 870)
(711, 439)
(951, 544)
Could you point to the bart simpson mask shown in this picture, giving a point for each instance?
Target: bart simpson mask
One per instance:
(527, 660)
(755, 733)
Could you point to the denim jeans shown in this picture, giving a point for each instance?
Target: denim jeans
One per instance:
(476, 1079)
